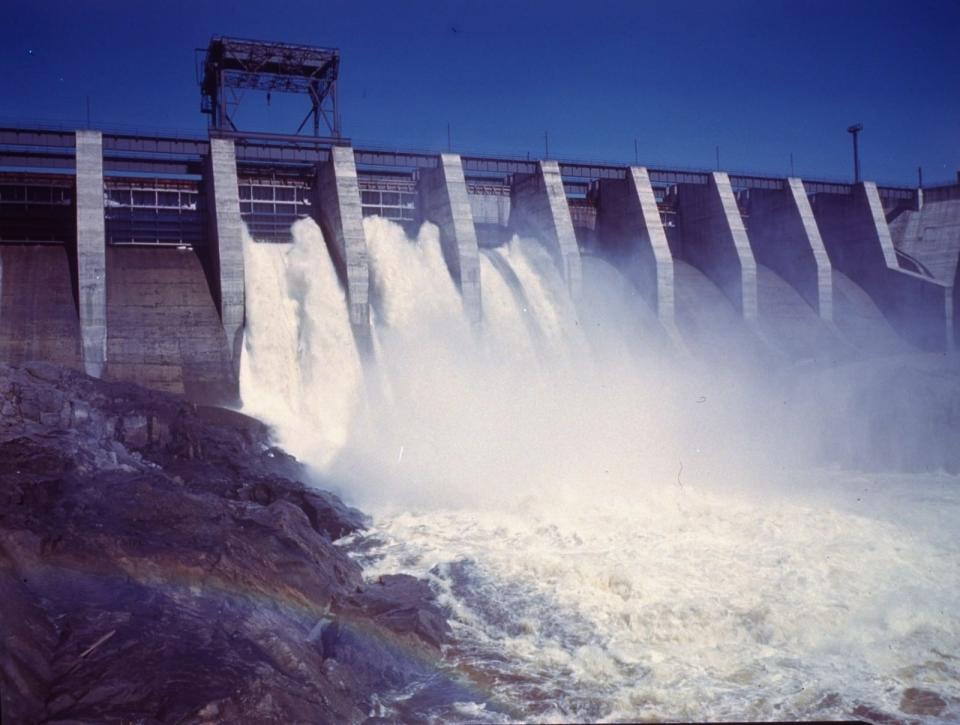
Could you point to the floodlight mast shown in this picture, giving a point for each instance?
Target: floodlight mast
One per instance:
(854, 131)
(231, 66)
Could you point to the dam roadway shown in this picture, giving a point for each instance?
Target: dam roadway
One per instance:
(122, 254)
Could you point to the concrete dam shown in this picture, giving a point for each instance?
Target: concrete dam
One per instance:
(122, 253)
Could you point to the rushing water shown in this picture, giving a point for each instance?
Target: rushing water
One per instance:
(618, 533)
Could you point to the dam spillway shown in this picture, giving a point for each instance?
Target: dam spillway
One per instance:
(782, 252)
(660, 443)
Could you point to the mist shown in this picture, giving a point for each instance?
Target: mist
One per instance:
(607, 518)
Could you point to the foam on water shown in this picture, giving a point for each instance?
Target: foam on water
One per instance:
(681, 604)
(616, 535)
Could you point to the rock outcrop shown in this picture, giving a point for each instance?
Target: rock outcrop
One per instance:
(161, 562)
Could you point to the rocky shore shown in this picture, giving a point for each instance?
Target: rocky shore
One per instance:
(161, 562)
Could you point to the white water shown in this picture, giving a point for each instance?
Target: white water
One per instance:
(617, 534)
(299, 362)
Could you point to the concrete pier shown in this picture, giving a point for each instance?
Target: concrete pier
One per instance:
(538, 208)
(226, 242)
(340, 216)
(713, 239)
(858, 241)
(91, 252)
(784, 237)
(444, 201)
(930, 233)
(630, 230)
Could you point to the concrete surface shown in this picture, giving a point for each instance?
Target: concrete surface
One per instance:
(225, 247)
(711, 327)
(630, 233)
(340, 216)
(713, 239)
(784, 237)
(858, 241)
(90, 250)
(791, 325)
(538, 209)
(931, 235)
(163, 330)
(860, 322)
(38, 312)
(444, 201)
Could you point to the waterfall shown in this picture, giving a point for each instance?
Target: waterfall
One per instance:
(615, 533)
(299, 367)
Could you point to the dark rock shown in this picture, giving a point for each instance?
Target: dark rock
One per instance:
(870, 714)
(917, 701)
(405, 605)
(162, 562)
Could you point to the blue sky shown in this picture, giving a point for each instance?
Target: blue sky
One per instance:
(761, 80)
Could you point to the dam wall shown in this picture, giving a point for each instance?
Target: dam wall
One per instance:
(538, 208)
(140, 277)
(490, 207)
(38, 310)
(163, 327)
(631, 233)
(714, 240)
(340, 216)
(225, 247)
(860, 246)
(794, 275)
(444, 201)
(929, 233)
(785, 238)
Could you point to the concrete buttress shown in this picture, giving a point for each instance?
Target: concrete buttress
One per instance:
(785, 237)
(340, 215)
(538, 208)
(858, 240)
(714, 239)
(629, 226)
(91, 252)
(444, 201)
(226, 241)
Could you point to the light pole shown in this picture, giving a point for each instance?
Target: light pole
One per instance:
(854, 131)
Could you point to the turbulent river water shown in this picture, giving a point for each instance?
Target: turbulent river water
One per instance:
(618, 532)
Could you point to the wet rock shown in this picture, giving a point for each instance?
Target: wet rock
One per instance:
(405, 604)
(136, 431)
(917, 701)
(161, 562)
(872, 715)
